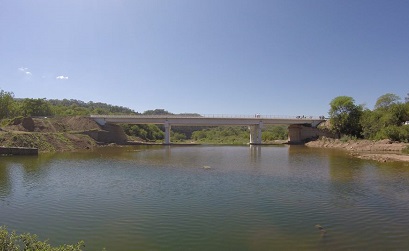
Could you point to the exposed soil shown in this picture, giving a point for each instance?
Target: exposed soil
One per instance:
(50, 134)
(383, 150)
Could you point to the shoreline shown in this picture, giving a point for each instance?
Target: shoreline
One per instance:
(381, 151)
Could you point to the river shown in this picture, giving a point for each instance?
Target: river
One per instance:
(208, 198)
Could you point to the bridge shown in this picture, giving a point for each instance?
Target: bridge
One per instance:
(255, 123)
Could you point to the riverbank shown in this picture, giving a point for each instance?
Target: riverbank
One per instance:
(49, 134)
(382, 151)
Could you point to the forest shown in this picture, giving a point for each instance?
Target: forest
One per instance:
(387, 120)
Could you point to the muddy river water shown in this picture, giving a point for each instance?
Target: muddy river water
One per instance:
(208, 198)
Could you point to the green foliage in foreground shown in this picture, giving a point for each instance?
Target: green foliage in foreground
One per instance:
(29, 242)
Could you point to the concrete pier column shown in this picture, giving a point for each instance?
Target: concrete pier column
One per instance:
(255, 134)
(294, 134)
(258, 128)
(167, 133)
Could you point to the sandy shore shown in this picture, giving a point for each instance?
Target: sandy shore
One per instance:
(383, 150)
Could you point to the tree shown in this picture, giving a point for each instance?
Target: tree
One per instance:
(386, 121)
(407, 98)
(157, 112)
(386, 100)
(370, 122)
(6, 104)
(36, 107)
(345, 116)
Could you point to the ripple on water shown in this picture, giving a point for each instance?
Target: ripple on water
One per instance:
(248, 200)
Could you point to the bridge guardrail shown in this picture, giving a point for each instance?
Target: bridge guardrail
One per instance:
(256, 116)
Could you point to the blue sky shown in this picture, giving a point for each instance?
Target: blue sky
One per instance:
(276, 57)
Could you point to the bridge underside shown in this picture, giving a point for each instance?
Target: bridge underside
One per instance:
(255, 124)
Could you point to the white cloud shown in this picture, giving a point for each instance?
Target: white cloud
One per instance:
(62, 77)
(25, 71)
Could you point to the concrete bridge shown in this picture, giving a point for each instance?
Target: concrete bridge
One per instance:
(298, 125)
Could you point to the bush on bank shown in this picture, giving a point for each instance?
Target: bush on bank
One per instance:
(10, 241)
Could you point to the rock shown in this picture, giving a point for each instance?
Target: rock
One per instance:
(321, 229)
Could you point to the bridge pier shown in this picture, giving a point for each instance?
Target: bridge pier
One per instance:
(255, 134)
(167, 133)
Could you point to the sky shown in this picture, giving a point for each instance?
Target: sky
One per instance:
(236, 57)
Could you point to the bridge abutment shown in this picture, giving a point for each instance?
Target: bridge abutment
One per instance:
(298, 134)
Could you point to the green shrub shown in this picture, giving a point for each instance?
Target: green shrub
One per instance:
(178, 136)
(29, 242)
(395, 133)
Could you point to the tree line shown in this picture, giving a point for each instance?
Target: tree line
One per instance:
(11, 107)
(387, 120)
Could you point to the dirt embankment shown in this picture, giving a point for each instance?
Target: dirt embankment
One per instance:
(383, 150)
(50, 134)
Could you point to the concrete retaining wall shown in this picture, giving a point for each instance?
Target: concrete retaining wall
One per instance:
(111, 133)
(18, 151)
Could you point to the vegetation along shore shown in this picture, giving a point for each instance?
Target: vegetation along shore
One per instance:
(380, 134)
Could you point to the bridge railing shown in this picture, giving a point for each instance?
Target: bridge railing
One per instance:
(261, 116)
(232, 116)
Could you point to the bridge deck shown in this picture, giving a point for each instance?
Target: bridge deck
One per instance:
(207, 120)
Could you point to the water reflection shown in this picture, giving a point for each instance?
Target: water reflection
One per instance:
(255, 153)
(5, 181)
(28, 164)
(344, 168)
(347, 174)
(247, 198)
